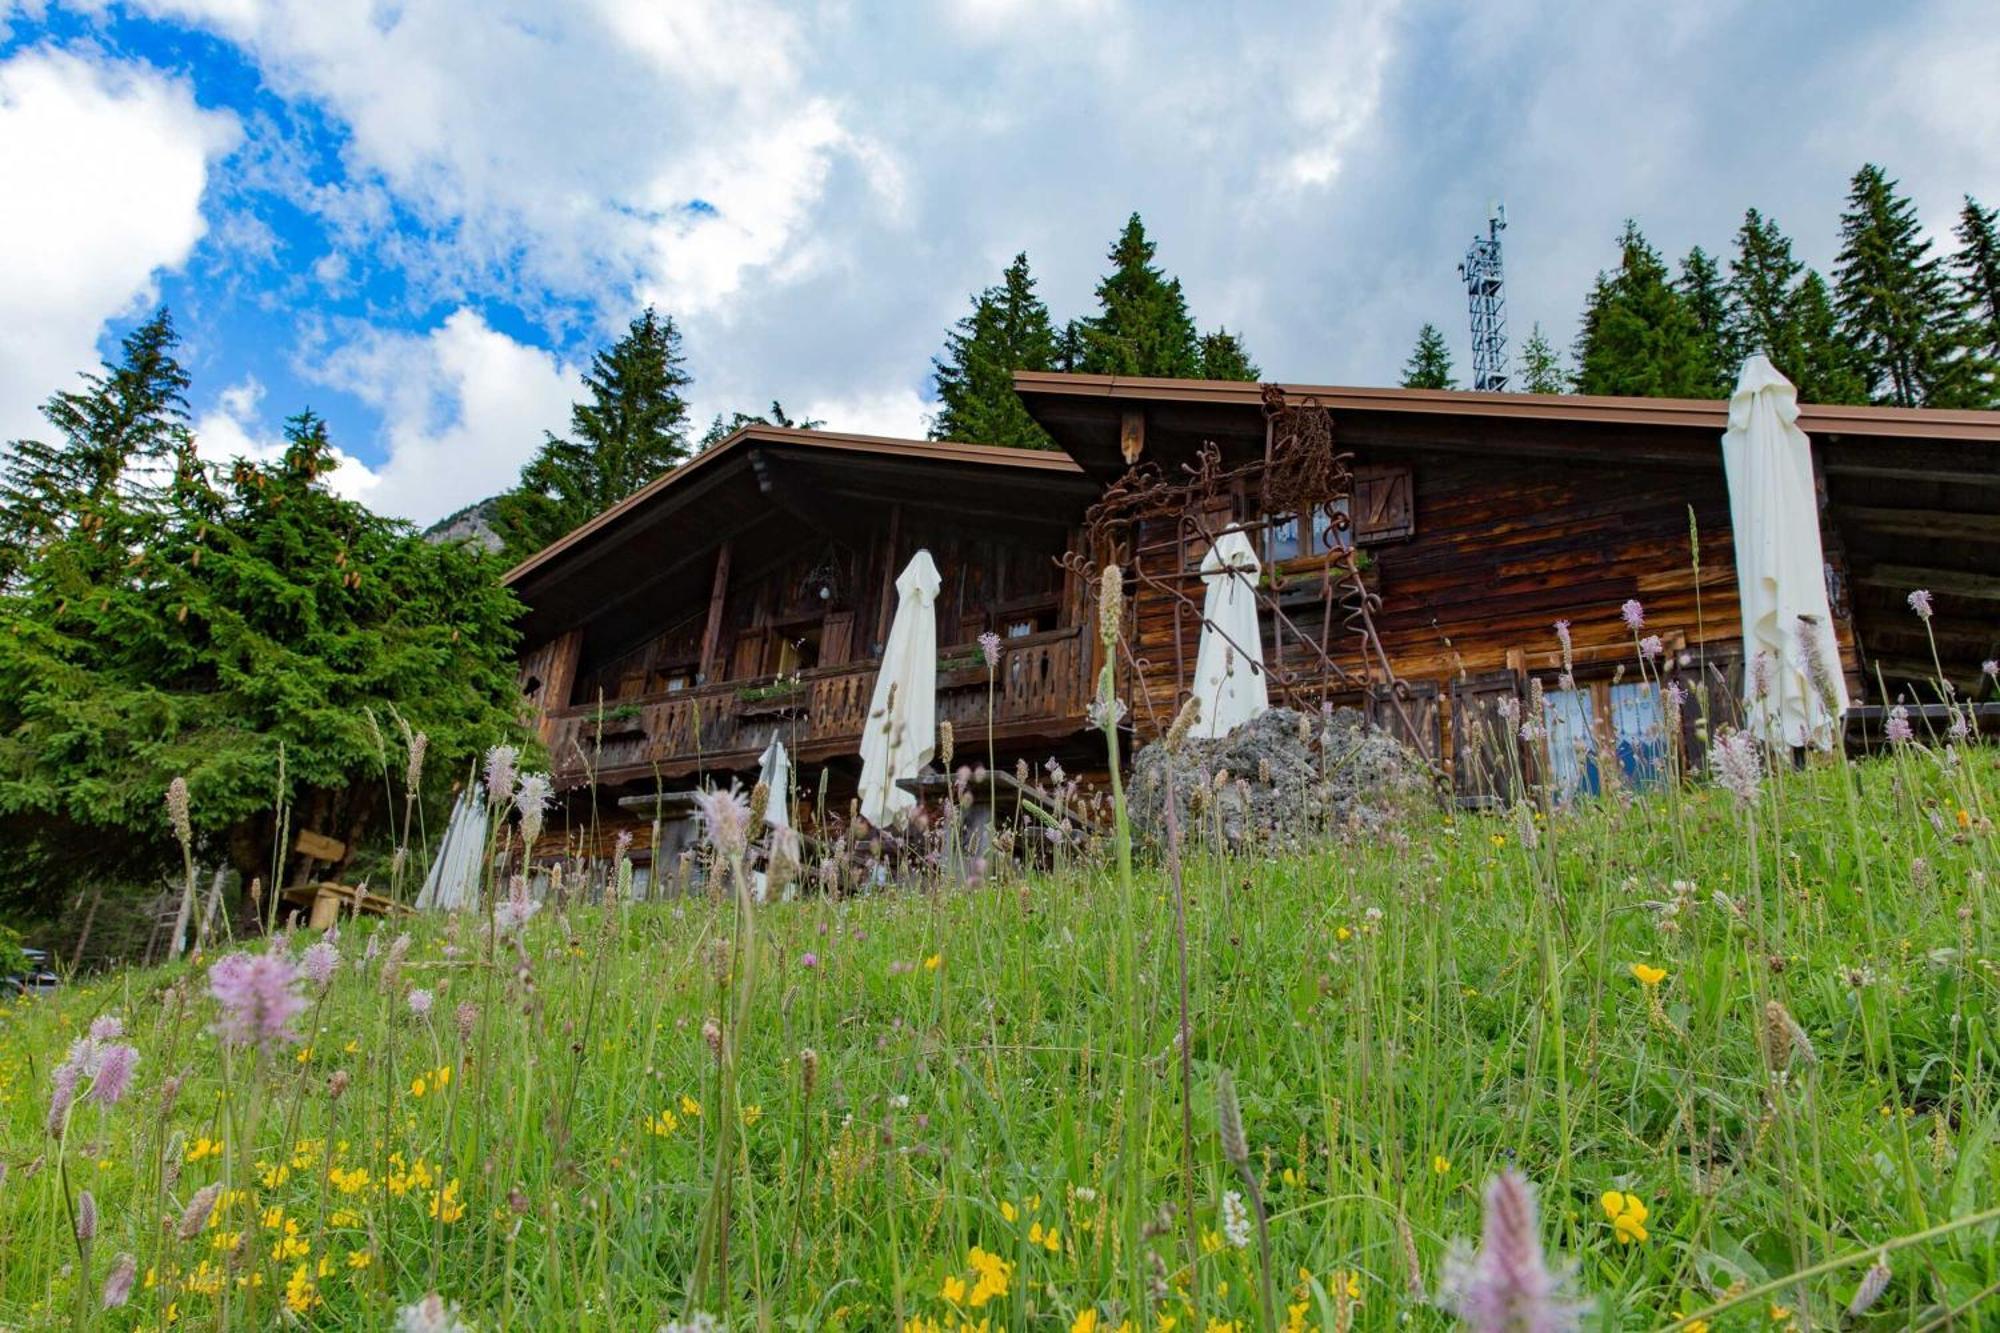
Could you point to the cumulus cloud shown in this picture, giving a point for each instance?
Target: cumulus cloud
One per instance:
(106, 163)
(234, 428)
(895, 411)
(463, 407)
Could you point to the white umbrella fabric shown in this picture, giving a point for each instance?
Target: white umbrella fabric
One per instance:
(453, 882)
(1229, 665)
(775, 772)
(900, 735)
(1794, 692)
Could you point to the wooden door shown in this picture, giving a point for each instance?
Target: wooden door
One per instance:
(1485, 744)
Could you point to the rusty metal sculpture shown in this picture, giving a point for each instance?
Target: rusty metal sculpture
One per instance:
(1152, 525)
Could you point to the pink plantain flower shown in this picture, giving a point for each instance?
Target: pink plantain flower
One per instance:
(118, 1282)
(1633, 613)
(1507, 1286)
(259, 997)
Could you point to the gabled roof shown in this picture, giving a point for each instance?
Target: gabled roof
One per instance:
(690, 473)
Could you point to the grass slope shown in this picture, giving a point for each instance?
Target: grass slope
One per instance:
(1808, 1079)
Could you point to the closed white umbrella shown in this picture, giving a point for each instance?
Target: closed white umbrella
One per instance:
(1794, 692)
(901, 732)
(453, 882)
(1229, 666)
(775, 772)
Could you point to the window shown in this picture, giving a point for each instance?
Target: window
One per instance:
(1571, 719)
(1640, 732)
(1281, 536)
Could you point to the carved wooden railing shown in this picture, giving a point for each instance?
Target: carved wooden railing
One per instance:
(1040, 680)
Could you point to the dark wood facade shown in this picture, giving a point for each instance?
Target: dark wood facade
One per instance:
(746, 595)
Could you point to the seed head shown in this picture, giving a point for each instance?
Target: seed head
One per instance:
(1110, 605)
(413, 774)
(808, 1070)
(118, 1282)
(1184, 722)
(195, 1216)
(86, 1216)
(760, 805)
(177, 812)
(1229, 1117)
(944, 744)
(500, 760)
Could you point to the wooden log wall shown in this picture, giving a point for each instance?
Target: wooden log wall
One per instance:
(1499, 550)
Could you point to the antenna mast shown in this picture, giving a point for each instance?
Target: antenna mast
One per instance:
(1486, 303)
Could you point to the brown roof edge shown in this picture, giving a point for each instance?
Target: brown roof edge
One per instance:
(1823, 418)
(942, 451)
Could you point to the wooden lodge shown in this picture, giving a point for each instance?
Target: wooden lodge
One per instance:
(746, 595)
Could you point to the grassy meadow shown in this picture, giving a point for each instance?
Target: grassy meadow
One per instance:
(1743, 1049)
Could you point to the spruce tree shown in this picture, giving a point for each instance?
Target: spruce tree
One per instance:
(1896, 303)
(1541, 367)
(1008, 330)
(1142, 325)
(1638, 336)
(1223, 357)
(1819, 359)
(632, 429)
(1763, 278)
(1429, 366)
(1977, 265)
(721, 428)
(1701, 287)
(111, 439)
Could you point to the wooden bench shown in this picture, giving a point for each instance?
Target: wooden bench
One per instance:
(323, 903)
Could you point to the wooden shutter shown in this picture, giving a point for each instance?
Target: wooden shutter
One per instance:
(1485, 746)
(748, 661)
(836, 639)
(1384, 504)
(1423, 732)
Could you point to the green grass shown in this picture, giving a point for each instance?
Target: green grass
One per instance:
(1402, 1016)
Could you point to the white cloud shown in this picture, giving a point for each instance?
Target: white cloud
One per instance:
(899, 412)
(463, 407)
(105, 164)
(601, 149)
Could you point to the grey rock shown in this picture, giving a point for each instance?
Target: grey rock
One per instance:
(1290, 777)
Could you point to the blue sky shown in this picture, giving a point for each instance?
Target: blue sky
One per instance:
(419, 218)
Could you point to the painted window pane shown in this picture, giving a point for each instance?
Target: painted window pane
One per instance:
(1639, 730)
(1570, 718)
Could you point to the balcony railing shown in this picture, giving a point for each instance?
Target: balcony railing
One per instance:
(1038, 689)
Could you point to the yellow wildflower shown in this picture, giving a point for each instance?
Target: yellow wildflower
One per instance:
(1627, 1216)
(359, 1259)
(1440, 1165)
(954, 1289)
(752, 1114)
(992, 1272)
(300, 1293)
(1649, 976)
(931, 963)
(1008, 1210)
(1085, 1321)
(689, 1106)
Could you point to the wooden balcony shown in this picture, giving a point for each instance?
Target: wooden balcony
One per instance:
(1040, 690)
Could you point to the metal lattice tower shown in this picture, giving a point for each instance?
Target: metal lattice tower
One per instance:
(1487, 305)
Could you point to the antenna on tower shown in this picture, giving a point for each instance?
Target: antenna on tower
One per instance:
(1487, 305)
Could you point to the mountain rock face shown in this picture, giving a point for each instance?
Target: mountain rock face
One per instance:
(474, 523)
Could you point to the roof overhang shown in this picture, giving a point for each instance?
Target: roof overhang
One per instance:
(772, 483)
(1087, 416)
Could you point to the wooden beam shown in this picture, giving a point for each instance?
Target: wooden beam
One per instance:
(711, 633)
(1132, 434)
(1903, 579)
(1937, 524)
(886, 597)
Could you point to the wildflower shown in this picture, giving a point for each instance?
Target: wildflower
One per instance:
(1784, 1039)
(1990, 668)
(1873, 1283)
(989, 648)
(725, 817)
(259, 998)
(1050, 1240)
(86, 1216)
(532, 798)
(1762, 672)
(195, 1216)
(1648, 975)
(1507, 1286)
(319, 963)
(1105, 714)
(1738, 765)
(954, 1288)
(466, 1017)
(1651, 647)
(1626, 1214)
(109, 1027)
(420, 1002)
(500, 772)
(517, 909)
(1110, 605)
(1229, 1120)
(433, 1314)
(1633, 613)
(1085, 1321)
(991, 1274)
(1235, 1220)
(1898, 728)
(809, 960)
(931, 963)
(1920, 602)
(1440, 1165)
(113, 1079)
(118, 1282)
